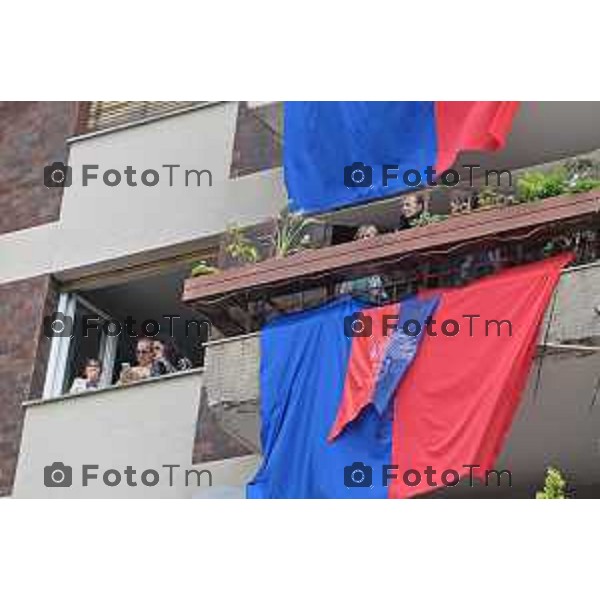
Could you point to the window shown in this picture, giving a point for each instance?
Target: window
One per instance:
(105, 323)
(258, 139)
(102, 114)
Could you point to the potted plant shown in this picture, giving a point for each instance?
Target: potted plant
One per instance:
(239, 247)
(290, 234)
(202, 268)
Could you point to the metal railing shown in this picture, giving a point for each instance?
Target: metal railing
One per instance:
(97, 115)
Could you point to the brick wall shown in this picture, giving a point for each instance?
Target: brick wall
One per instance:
(32, 135)
(23, 358)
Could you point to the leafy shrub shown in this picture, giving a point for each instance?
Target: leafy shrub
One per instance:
(240, 247)
(290, 233)
(555, 486)
(202, 268)
(425, 218)
(487, 197)
(537, 185)
(584, 185)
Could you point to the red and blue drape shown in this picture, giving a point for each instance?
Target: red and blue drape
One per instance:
(322, 138)
(329, 400)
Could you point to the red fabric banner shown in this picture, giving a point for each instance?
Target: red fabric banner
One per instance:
(471, 126)
(364, 364)
(457, 401)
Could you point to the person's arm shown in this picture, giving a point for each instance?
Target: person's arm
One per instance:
(184, 364)
(345, 287)
(77, 386)
(376, 288)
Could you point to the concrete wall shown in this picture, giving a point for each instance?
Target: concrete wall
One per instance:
(557, 424)
(100, 226)
(145, 425)
(99, 223)
(575, 313)
(150, 424)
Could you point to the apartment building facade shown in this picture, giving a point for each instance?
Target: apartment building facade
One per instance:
(105, 246)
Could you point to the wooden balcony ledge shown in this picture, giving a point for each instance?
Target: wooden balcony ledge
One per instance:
(335, 263)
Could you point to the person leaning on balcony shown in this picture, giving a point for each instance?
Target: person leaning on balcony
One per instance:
(161, 363)
(366, 288)
(91, 377)
(411, 209)
(168, 359)
(176, 358)
(144, 354)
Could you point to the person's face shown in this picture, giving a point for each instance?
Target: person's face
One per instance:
(92, 372)
(369, 232)
(144, 353)
(410, 207)
(159, 349)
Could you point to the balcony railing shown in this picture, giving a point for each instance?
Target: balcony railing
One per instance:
(143, 424)
(400, 251)
(97, 115)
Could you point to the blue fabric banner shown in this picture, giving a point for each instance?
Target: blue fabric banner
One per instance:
(323, 140)
(304, 359)
(337, 154)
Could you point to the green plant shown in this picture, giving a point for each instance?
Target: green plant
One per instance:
(202, 268)
(426, 218)
(584, 185)
(537, 185)
(488, 196)
(555, 486)
(582, 168)
(239, 246)
(290, 233)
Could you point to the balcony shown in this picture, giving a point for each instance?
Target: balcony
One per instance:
(145, 425)
(560, 397)
(562, 390)
(122, 225)
(400, 256)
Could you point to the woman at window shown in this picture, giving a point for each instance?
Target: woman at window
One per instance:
(90, 379)
(162, 362)
(144, 354)
(168, 359)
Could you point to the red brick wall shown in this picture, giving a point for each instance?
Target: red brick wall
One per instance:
(32, 135)
(23, 357)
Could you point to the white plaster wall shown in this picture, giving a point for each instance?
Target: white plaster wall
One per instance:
(100, 223)
(144, 425)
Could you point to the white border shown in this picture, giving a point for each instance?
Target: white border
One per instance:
(298, 549)
(312, 50)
